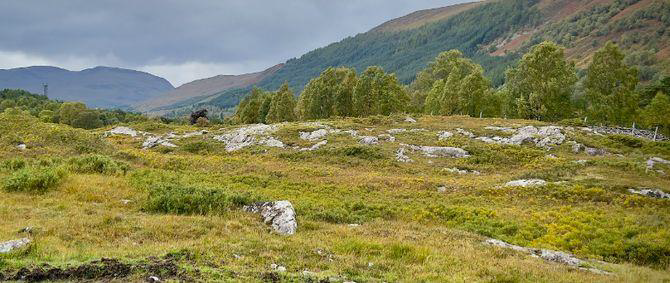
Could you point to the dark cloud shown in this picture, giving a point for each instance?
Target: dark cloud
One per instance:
(233, 35)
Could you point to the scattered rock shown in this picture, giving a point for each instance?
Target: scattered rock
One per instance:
(153, 279)
(354, 225)
(461, 171)
(155, 141)
(548, 255)
(126, 201)
(248, 136)
(386, 137)
(196, 133)
(644, 134)
(13, 245)
(465, 133)
(581, 162)
(551, 156)
(315, 135)
(442, 189)
(279, 214)
(545, 137)
(277, 268)
(418, 130)
(315, 146)
(444, 135)
(595, 151)
(122, 131)
(651, 162)
(368, 140)
(654, 193)
(439, 151)
(308, 273)
(396, 131)
(400, 156)
(410, 120)
(26, 230)
(21, 146)
(526, 183)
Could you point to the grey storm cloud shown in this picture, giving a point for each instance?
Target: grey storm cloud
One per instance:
(244, 35)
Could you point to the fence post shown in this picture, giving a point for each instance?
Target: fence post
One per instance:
(480, 114)
(655, 133)
(632, 132)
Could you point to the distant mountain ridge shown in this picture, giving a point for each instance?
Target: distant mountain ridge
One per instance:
(103, 87)
(200, 90)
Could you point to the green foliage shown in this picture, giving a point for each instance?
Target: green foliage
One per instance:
(178, 199)
(362, 152)
(610, 87)
(329, 94)
(249, 110)
(97, 164)
(456, 86)
(540, 87)
(197, 147)
(34, 180)
(657, 113)
(13, 164)
(378, 93)
(282, 106)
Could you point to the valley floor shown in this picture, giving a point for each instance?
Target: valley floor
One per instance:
(363, 213)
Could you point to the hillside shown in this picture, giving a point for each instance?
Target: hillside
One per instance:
(494, 34)
(97, 87)
(200, 90)
(391, 199)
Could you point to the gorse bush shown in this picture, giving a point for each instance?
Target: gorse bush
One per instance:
(37, 180)
(178, 199)
(98, 164)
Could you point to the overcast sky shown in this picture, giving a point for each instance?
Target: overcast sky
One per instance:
(183, 40)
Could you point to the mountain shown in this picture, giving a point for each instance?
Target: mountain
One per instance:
(494, 34)
(199, 90)
(102, 87)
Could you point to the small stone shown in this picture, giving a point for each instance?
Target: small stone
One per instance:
(441, 189)
(27, 230)
(308, 273)
(12, 245)
(21, 146)
(396, 131)
(368, 140)
(444, 135)
(315, 135)
(354, 225)
(465, 133)
(526, 183)
(154, 279)
(315, 146)
(410, 120)
(653, 193)
(126, 201)
(400, 156)
(279, 214)
(281, 269)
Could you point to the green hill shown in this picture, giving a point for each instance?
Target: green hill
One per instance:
(494, 34)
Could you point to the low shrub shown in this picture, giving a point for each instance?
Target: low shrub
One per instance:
(362, 152)
(98, 164)
(178, 199)
(13, 164)
(625, 140)
(197, 147)
(37, 180)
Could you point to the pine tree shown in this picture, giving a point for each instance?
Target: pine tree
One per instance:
(610, 87)
(283, 106)
(541, 86)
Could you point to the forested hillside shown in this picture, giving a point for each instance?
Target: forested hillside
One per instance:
(493, 34)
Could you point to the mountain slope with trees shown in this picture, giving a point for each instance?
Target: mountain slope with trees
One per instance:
(492, 34)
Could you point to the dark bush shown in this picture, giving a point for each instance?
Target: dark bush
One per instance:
(98, 164)
(179, 199)
(37, 180)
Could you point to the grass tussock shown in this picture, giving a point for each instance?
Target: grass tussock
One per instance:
(34, 180)
(188, 200)
(97, 164)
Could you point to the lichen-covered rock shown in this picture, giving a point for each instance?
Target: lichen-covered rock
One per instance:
(279, 214)
(315, 146)
(654, 193)
(461, 171)
(444, 135)
(315, 135)
(386, 137)
(465, 133)
(545, 137)
(155, 141)
(595, 151)
(549, 136)
(123, 131)
(651, 162)
(439, 151)
(248, 136)
(502, 129)
(548, 255)
(13, 245)
(368, 140)
(21, 146)
(400, 156)
(193, 134)
(526, 183)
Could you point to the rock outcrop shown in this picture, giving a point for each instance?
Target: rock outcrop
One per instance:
(123, 131)
(400, 156)
(526, 183)
(368, 140)
(439, 151)
(257, 134)
(279, 214)
(653, 193)
(549, 255)
(651, 162)
(155, 141)
(9, 246)
(315, 135)
(444, 135)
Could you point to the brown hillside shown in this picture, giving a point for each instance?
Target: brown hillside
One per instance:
(205, 87)
(422, 17)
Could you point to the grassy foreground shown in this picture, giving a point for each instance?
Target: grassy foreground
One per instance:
(88, 197)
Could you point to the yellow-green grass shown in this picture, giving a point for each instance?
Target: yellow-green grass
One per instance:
(409, 231)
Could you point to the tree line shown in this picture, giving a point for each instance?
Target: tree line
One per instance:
(544, 85)
(75, 114)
